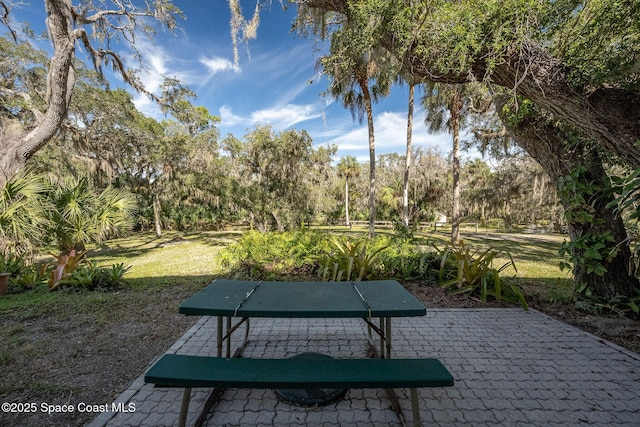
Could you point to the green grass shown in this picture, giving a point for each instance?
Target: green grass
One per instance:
(170, 255)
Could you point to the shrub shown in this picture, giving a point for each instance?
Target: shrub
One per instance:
(465, 272)
(74, 271)
(351, 259)
(262, 256)
(89, 277)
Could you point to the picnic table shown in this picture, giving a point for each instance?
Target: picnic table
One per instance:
(240, 300)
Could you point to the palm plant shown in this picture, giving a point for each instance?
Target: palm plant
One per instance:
(22, 213)
(348, 167)
(80, 216)
(360, 74)
(448, 108)
(464, 271)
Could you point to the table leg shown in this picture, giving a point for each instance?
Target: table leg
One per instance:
(227, 331)
(184, 408)
(382, 339)
(222, 336)
(219, 337)
(415, 407)
(387, 336)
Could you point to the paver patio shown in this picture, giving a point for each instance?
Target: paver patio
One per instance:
(511, 367)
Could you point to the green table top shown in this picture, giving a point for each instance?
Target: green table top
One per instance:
(238, 298)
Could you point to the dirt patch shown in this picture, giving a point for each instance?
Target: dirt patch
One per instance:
(70, 358)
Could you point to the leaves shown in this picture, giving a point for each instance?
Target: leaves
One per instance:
(352, 257)
(469, 272)
(65, 267)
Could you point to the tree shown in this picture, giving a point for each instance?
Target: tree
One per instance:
(348, 167)
(431, 190)
(272, 183)
(479, 189)
(408, 153)
(354, 64)
(599, 245)
(574, 60)
(92, 27)
(447, 108)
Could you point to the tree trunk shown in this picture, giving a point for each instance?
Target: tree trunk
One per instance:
(156, 216)
(456, 107)
(407, 164)
(455, 205)
(364, 86)
(346, 201)
(276, 218)
(616, 280)
(60, 80)
(544, 142)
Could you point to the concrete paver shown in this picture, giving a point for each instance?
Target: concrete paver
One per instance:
(511, 367)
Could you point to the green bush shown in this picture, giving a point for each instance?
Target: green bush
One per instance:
(464, 271)
(274, 255)
(89, 277)
(352, 259)
(271, 256)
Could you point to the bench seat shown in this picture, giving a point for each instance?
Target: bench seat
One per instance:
(174, 370)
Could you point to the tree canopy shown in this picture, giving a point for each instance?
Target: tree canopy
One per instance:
(560, 55)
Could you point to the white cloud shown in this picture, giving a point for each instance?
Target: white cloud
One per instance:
(159, 64)
(390, 133)
(216, 65)
(280, 117)
(227, 118)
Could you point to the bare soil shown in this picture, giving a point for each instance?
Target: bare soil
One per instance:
(72, 357)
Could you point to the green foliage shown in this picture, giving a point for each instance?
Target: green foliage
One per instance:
(24, 273)
(623, 306)
(600, 42)
(23, 208)
(351, 259)
(74, 271)
(31, 276)
(627, 204)
(275, 254)
(305, 253)
(593, 248)
(81, 215)
(10, 263)
(405, 260)
(464, 271)
(275, 177)
(65, 267)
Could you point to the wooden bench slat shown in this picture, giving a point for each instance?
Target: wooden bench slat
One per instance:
(173, 370)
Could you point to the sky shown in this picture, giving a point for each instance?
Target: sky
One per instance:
(276, 81)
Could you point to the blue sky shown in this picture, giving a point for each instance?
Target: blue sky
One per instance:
(271, 83)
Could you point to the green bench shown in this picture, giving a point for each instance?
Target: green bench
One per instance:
(173, 370)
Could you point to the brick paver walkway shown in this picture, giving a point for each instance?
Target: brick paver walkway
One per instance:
(511, 368)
